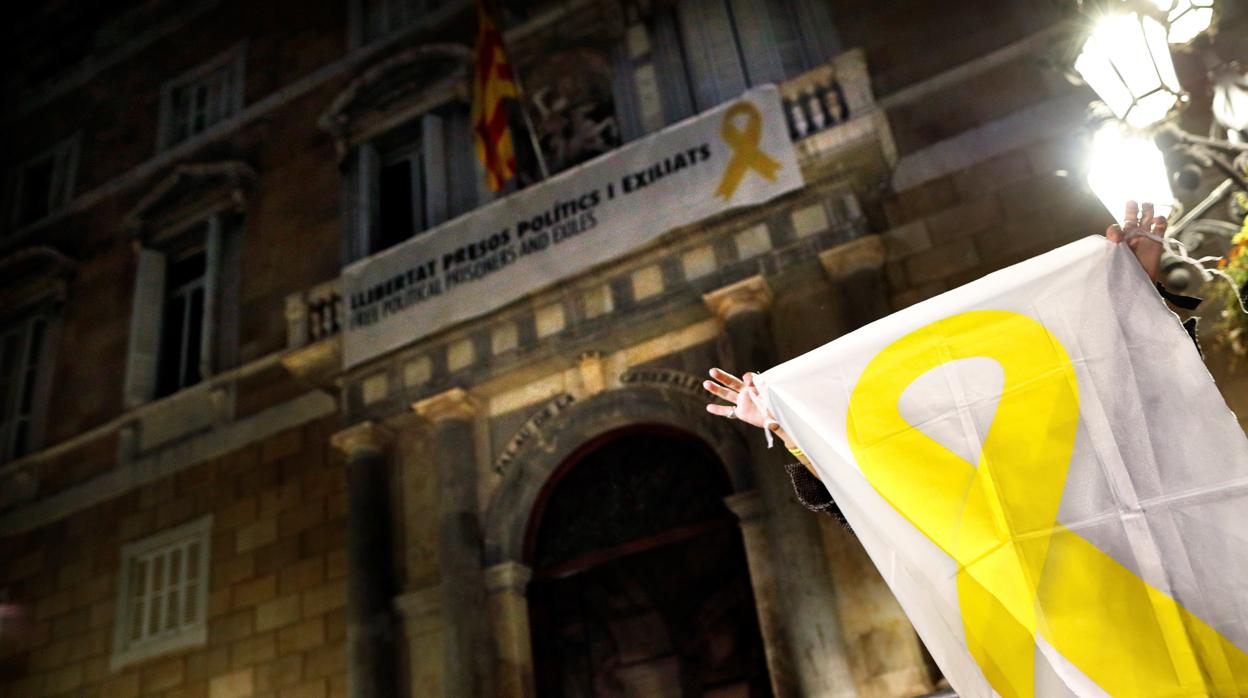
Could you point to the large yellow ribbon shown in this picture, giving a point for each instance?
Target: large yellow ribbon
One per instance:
(746, 154)
(1021, 574)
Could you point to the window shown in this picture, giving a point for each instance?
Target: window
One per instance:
(700, 53)
(21, 348)
(413, 178)
(44, 184)
(182, 317)
(380, 18)
(182, 328)
(202, 98)
(162, 593)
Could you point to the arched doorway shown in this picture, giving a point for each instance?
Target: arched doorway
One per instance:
(640, 585)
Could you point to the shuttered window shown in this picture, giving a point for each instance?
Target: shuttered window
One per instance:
(702, 53)
(201, 98)
(411, 179)
(184, 295)
(43, 185)
(163, 593)
(21, 354)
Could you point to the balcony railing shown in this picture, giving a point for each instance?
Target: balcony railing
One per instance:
(314, 314)
(814, 102)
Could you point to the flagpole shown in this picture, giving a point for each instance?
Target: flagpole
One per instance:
(524, 113)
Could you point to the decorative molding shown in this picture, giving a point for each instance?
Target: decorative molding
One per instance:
(455, 403)
(864, 254)
(189, 185)
(593, 370)
(507, 577)
(531, 430)
(430, 74)
(748, 294)
(33, 274)
(362, 438)
(665, 378)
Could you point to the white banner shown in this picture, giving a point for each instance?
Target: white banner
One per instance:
(1043, 471)
(737, 154)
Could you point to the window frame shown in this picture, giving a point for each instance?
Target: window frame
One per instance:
(24, 322)
(404, 137)
(235, 59)
(186, 636)
(64, 156)
(188, 243)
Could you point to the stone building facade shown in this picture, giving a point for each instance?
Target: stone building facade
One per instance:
(533, 502)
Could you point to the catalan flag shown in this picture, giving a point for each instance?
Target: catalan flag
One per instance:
(492, 83)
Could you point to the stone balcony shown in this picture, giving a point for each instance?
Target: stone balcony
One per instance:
(830, 111)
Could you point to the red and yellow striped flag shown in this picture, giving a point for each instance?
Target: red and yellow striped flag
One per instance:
(492, 83)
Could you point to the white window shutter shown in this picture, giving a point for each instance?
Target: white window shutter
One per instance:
(368, 203)
(145, 320)
(622, 93)
(669, 65)
(715, 69)
(433, 156)
(820, 40)
(461, 162)
(759, 41)
(212, 288)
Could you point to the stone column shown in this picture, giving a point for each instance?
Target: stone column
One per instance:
(467, 661)
(752, 513)
(421, 611)
(856, 270)
(509, 617)
(790, 572)
(370, 569)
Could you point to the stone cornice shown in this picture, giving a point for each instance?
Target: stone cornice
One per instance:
(748, 294)
(455, 403)
(362, 437)
(507, 576)
(864, 254)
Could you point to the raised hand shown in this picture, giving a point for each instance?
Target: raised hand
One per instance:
(1140, 218)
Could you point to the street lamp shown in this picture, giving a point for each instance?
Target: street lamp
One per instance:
(1127, 61)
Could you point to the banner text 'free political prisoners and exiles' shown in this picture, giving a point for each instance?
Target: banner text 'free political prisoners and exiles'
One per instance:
(734, 155)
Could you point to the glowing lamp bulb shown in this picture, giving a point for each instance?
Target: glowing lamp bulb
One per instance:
(1128, 166)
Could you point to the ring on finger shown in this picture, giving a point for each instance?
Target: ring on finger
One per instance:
(732, 413)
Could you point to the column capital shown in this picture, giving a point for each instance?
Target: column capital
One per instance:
(507, 576)
(455, 403)
(864, 254)
(748, 294)
(748, 506)
(365, 436)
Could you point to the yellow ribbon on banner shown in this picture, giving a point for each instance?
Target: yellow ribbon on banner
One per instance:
(1021, 573)
(746, 154)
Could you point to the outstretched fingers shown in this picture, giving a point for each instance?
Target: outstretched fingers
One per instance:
(720, 391)
(727, 379)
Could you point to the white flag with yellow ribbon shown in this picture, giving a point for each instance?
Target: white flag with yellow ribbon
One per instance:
(1045, 474)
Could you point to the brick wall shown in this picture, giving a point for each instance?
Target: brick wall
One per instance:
(277, 585)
